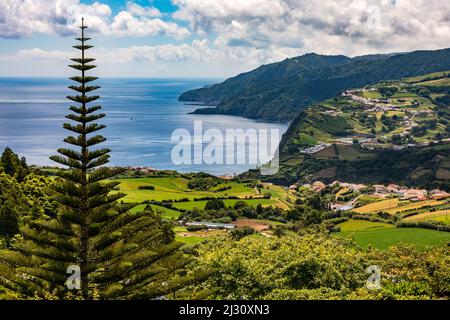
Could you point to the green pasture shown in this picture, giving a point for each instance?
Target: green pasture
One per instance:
(383, 238)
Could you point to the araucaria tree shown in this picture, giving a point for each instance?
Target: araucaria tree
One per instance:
(111, 252)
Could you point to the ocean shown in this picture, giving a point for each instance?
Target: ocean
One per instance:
(141, 116)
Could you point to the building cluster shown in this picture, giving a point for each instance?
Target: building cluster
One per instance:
(141, 170)
(375, 105)
(382, 191)
(411, 194)
(315, 149)
(317, 186)
(351, 186)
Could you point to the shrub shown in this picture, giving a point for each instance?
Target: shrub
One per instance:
(202, 184)
(146, 188)
(214, 204)
(225, 188)
(336, 220)
(240, 204)
(9, 223)
(239, 233)
(428, 224)
(194, 228)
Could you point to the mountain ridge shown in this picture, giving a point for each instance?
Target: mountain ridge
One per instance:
(280, 91)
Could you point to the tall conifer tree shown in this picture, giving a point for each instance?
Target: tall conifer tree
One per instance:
(119, 254)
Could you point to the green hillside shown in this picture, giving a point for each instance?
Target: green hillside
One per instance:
(393, 131)
(281, 90)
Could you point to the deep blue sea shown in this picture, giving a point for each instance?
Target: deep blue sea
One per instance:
(141, 116)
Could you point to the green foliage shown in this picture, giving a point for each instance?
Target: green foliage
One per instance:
(9, 221)
(214, 204)
(12, 165)
(388, 91)
(242, 210)
(317, 266)
(146, 188)
(427, 224)
(239, 233)
(27, 199)
(203, 183)
(194, 228)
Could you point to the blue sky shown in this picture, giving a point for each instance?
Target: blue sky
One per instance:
(210, 38)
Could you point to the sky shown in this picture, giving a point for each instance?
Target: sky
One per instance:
(209, 38)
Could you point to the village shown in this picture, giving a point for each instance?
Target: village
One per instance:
(376, 192)
(396, 121)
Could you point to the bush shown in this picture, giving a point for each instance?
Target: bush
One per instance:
(214, 204)
(428, 224)
(146, 188)
(267, 195)
(9, 223)
(279, 231)
(240, 204)
(194, 228)
(203, 184)
(239, 233)
(225, 188)
(336, 220)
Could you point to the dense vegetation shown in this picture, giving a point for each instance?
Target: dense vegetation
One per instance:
(279, 91)
(112, 253)
(317, 266)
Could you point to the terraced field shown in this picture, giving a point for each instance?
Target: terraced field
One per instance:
(378, 206)
(442, 216)
(397, 207)
(418, 205)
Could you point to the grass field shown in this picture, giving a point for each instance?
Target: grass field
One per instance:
(445, 82)
(441, 215)
(440, 74)
(418, 205)
(378, 206)
(188, 237)
(166, 212)
(174, 188)
(387, 237)
(363, 225)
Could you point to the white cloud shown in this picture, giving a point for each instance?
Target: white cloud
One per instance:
(232, 36)
(199, 58)
(138, 10)
(196, 51)
(36, 54)
(340, 26)
(126, 24)
(26, 17)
